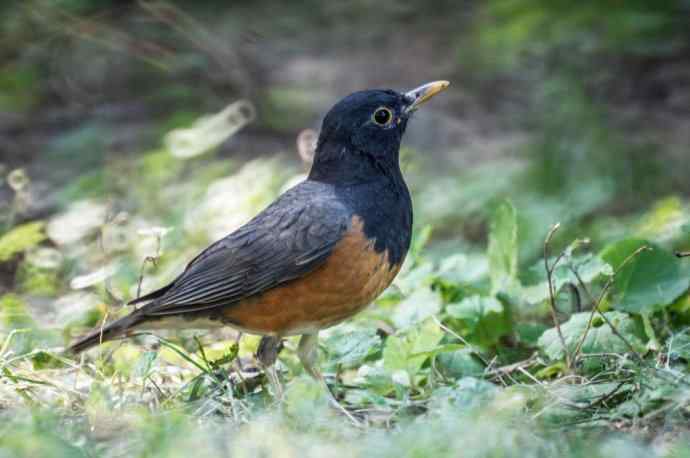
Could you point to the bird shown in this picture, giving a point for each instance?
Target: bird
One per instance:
(320, 253)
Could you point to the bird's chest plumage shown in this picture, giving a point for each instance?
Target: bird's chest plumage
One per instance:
(386, 213)
(362, 264)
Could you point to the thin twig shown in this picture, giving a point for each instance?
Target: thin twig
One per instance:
(153, 260)
(604, 291)
(203, 353)
(487, 364)
(102, 327)
(507, 369)
(552, 293)
(62, 22)
(461, 339)
(228, 59)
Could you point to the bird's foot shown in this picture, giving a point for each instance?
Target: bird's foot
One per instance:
(267, 354)
(307, 352)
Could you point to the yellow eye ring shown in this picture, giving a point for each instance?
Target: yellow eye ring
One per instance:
(382, 116)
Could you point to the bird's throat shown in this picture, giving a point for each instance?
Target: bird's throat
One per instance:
(341, 166)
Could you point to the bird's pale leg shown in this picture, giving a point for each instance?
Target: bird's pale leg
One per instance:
(307, 351)
(267, 354)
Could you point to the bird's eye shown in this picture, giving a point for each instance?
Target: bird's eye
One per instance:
(382, 116)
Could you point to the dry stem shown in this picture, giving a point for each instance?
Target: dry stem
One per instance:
(552, 293)
(596, 303)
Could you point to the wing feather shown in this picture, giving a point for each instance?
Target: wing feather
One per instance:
(289, 239)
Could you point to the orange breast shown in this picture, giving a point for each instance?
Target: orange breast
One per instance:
(353, 276)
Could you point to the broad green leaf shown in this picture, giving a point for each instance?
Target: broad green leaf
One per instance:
(483, 320)
(376, 378)
(350, 349)
(20, 239)
(600, 338)
(417, 307)
(460, 363)
(409, 352)
(424, 340)
(462, 275)
(503, 248)
(529, 333)
(463, 268)
(588, 268)
(468, 393)
(395, 353)
(664, 221)
(37, 281)
(43, 359)
(580, 394)
(650, 281)
(678, 346)
(419, 276)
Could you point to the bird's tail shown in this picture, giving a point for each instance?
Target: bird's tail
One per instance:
(107, 332)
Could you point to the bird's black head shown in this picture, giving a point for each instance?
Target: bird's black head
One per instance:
(360, 136)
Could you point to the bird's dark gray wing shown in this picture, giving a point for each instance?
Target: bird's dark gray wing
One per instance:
(289, 239)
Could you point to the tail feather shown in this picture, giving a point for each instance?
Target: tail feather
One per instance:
(106, 333)
(152, 295)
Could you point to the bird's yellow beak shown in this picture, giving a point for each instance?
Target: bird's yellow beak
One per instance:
(423, 93)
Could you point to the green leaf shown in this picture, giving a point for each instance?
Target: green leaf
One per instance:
(228, 355)
(483, 320)
(662, 222)
(679, 347)
(43, 359)
(350, 349)
(650, 281)
(420, 275)
(463, 268)
(468, 393)
(529, 333)
(409, 352)
(588, 268)
(37, 281)
(145, 363)
(395, 353)
(600, 338)
(14, 313)
(417, 307)
(460, 363)
(376, 379)
(20, 239)
(503, 248)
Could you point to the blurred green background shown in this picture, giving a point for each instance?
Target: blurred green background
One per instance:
(122, 142)
(582, 108)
